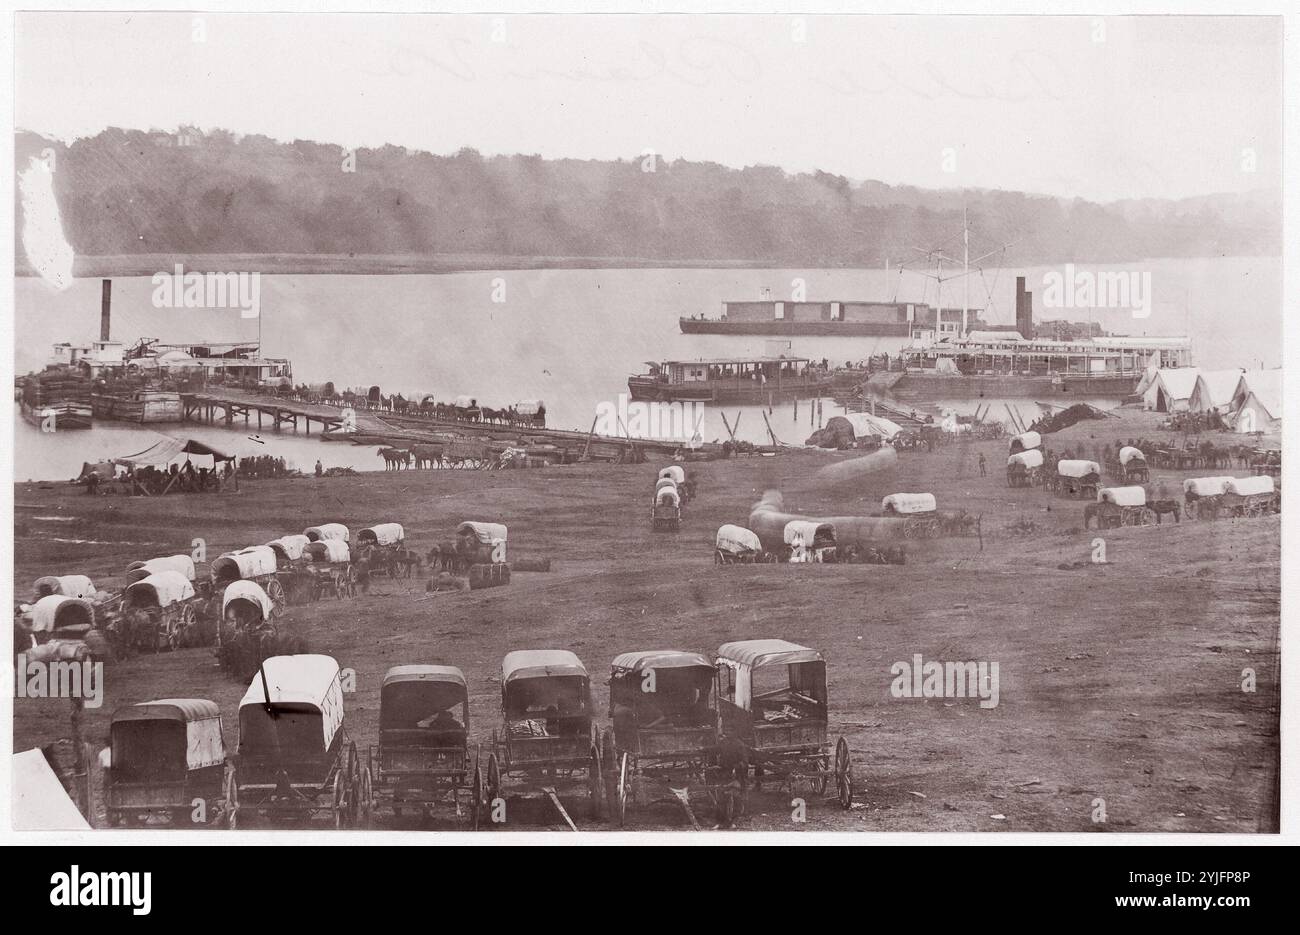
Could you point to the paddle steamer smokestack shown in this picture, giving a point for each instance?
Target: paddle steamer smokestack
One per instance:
(1024, 310)
(105, 307)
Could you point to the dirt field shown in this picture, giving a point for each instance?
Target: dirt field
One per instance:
(1118, 682)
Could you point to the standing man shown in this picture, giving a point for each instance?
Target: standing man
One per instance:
(984, 466)
(319, 469)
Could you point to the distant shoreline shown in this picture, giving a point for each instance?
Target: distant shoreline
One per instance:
(147, 264)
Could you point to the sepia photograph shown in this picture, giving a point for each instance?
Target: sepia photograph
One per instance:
(484, 425)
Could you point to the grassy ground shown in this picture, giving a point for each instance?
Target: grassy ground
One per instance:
(1120, 684)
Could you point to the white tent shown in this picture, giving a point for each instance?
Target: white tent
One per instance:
(1214, 390)
(1170, 390)
(1256, 404)
(39, 802)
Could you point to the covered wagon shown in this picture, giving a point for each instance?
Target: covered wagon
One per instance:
(246, 609)
(162, 610)
(179, 563)
(772, 699)
(546, 742)
(1025, 468)
(65, 586)
(1077, 478)
(1201, 496)
(255, 563)
(1120, 506)
(60, 626)
(327, 531)
(737, 545)
(481, 543)
(809, 541)
(289, 550)
(532, 412)
(382, 535)
(1133, 464)
(1249, 496)
(166, 758)
(1025, 441)
(674, 472)
(663, 744)
(666, 512)
(329, 562)
(422, 757)
(919, 510)
(295, 758)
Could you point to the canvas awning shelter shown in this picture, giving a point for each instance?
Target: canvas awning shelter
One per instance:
(167, 449)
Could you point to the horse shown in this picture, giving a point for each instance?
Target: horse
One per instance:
(395, 458)
(1160, 507)
(1107, 514)
(430, 455)
(404, 562)
(442, 556)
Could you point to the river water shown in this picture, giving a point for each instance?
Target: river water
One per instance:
(572, 337)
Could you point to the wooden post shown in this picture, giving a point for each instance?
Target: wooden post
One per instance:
(587, 448)
(770, 433)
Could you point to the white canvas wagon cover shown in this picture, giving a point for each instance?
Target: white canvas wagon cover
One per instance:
(308, 679)
(67, 585)
(529, 407)
(540, 663)
(202, 719)
(668, 496)
(249, 591)
(252, 562)
(383, 534)
(163, 588)
(328, 550)
(463, 402)
(663, 482)
(291, 546)
(327, 531)
(55, 611)
(674, 471)
(1206, 486)
(486, 533)
(39, 801)
(909, 503)
(1129, 453)
(805, 530)
(1123, 496)
(1026, 441)
(181, 563)
(1250, 486)
(1030, 459)
(1075, 468)
(737, 539)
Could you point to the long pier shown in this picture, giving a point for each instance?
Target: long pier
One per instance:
(203, 407)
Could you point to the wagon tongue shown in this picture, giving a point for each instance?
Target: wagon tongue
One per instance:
(282, 784)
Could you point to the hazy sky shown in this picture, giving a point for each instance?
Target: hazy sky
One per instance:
(1102, 109)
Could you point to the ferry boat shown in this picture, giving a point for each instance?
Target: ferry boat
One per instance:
(744, 380)
(142, 404)
(1000, 366)
(57, 399)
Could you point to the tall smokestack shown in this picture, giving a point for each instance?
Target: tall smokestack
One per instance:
(1024, 310)
(105, 308)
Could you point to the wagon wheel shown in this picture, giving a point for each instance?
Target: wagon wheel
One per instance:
(1148, 517)
(595, 783)
(623, 779)
(476, 799)
(231, 800)
(843, 774)
(823, 773)
(179, 632)
(365, 803)
(340, 802)
(493, 781)
(717, 557)
(275, 591)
